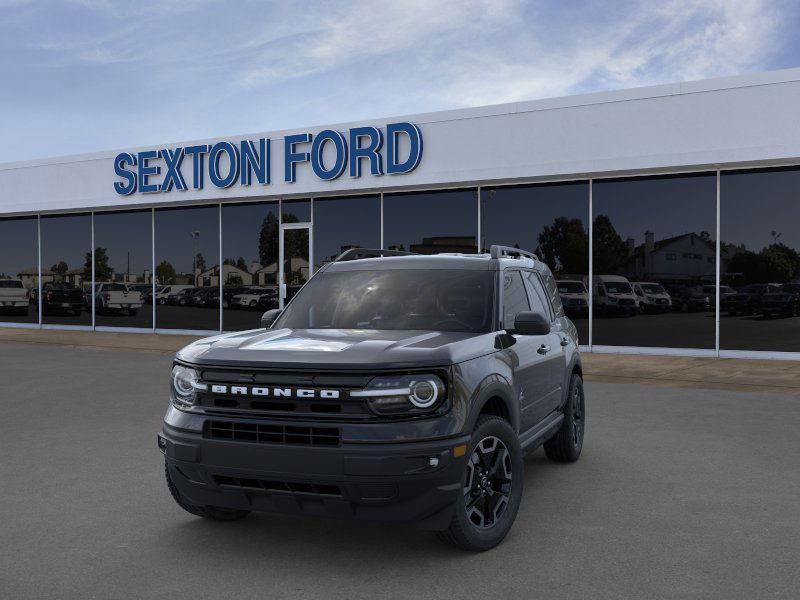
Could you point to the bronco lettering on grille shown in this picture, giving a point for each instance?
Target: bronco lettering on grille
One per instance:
(275, 392)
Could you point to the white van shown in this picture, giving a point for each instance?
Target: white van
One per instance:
(651, 297)
(613, 295)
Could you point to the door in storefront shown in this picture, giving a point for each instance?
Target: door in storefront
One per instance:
(294, 263)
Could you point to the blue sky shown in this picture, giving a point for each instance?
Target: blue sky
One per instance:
(85, 75)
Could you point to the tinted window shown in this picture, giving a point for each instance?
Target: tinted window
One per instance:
(19, 266)
(551, 220)
(250, 263)
(759, 217)
(123, 255)
(655, 230)
(296, 211)
(438, 300)
(187, 256)
(537, 296)
(431, 222)
(515, 298)
(67, 260)
(344, 223)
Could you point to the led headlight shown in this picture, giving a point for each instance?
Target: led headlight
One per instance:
(185, 385)
(403, 394)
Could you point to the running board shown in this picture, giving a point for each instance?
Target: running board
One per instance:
(536, 436)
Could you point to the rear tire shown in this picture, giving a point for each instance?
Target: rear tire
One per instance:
(207, 512)
(492, 488)
(566, 444)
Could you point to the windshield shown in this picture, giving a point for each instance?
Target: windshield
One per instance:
(617, 287)
(571, 287)
(437, 300)
(10, 283)
(653, 288)
(114, 287)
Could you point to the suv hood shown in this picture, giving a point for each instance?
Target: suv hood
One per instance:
(338, 348)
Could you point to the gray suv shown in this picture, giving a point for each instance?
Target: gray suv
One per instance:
(393, 387)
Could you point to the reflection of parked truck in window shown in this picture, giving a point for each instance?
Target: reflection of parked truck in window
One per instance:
(784, 301)
(613, 295)
(61, 298)
(13, 296)
(747, 301)
(574, 297)
(651, 297)
(115, 298)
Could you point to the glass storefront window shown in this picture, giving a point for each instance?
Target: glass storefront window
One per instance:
(249, 263)
(67, 269)
(551, 220)
(760, 260)
(344, 223)
(654, 261)
(296, 211)
(187, 269)
(19, 270)
(431, 222)
(123, 265)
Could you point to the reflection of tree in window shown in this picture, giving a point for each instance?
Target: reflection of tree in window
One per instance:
(165, 273)
(610, 250)
(564, 245)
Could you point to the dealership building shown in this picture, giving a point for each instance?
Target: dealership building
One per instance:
(669, 214)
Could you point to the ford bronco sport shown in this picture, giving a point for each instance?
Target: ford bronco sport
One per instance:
(393, 387)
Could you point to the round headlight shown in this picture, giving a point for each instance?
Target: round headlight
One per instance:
(185, 383)
(423, 393)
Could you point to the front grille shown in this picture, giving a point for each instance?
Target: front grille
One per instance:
(247, 404)
(627, 301)
(265, 433)
(291, 487)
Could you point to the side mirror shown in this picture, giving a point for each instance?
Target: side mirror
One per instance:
(531, 323)
(269, 317)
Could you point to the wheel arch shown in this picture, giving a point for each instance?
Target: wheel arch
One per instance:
(495, 397)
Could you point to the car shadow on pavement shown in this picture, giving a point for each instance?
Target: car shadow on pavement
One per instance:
(267, 536)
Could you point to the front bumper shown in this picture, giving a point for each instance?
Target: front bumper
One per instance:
(405, 482)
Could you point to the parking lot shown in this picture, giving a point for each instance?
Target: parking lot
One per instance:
(680, 493)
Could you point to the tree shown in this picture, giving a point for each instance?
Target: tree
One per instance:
(199, 262)
(268, 241)
(165, 273)
(564, 246)
(234, 280)
(241, 263)
(102, 270)
(775, 263)
(610, 250)
(60, 268)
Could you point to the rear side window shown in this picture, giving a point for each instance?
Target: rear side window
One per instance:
(537, 295)
(515, 298)
(551, 287)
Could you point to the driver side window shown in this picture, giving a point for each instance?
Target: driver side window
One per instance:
(515, 298)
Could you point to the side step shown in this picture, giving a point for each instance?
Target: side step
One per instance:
(537, 435)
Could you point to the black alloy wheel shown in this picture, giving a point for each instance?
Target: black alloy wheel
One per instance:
(487, 487)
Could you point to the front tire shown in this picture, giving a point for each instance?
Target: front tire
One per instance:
(207, 512)
(567, 443)
(492, 488)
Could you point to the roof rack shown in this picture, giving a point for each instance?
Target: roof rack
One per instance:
(358, 253)
(509, 252)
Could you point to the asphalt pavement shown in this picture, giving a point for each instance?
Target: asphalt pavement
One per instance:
(680, 493)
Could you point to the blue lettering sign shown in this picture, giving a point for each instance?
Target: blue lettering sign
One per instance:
(226, 163)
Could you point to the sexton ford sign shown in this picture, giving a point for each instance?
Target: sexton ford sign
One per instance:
(225, 164)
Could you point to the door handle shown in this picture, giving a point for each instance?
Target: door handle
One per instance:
(543, 349)
(565, 341)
